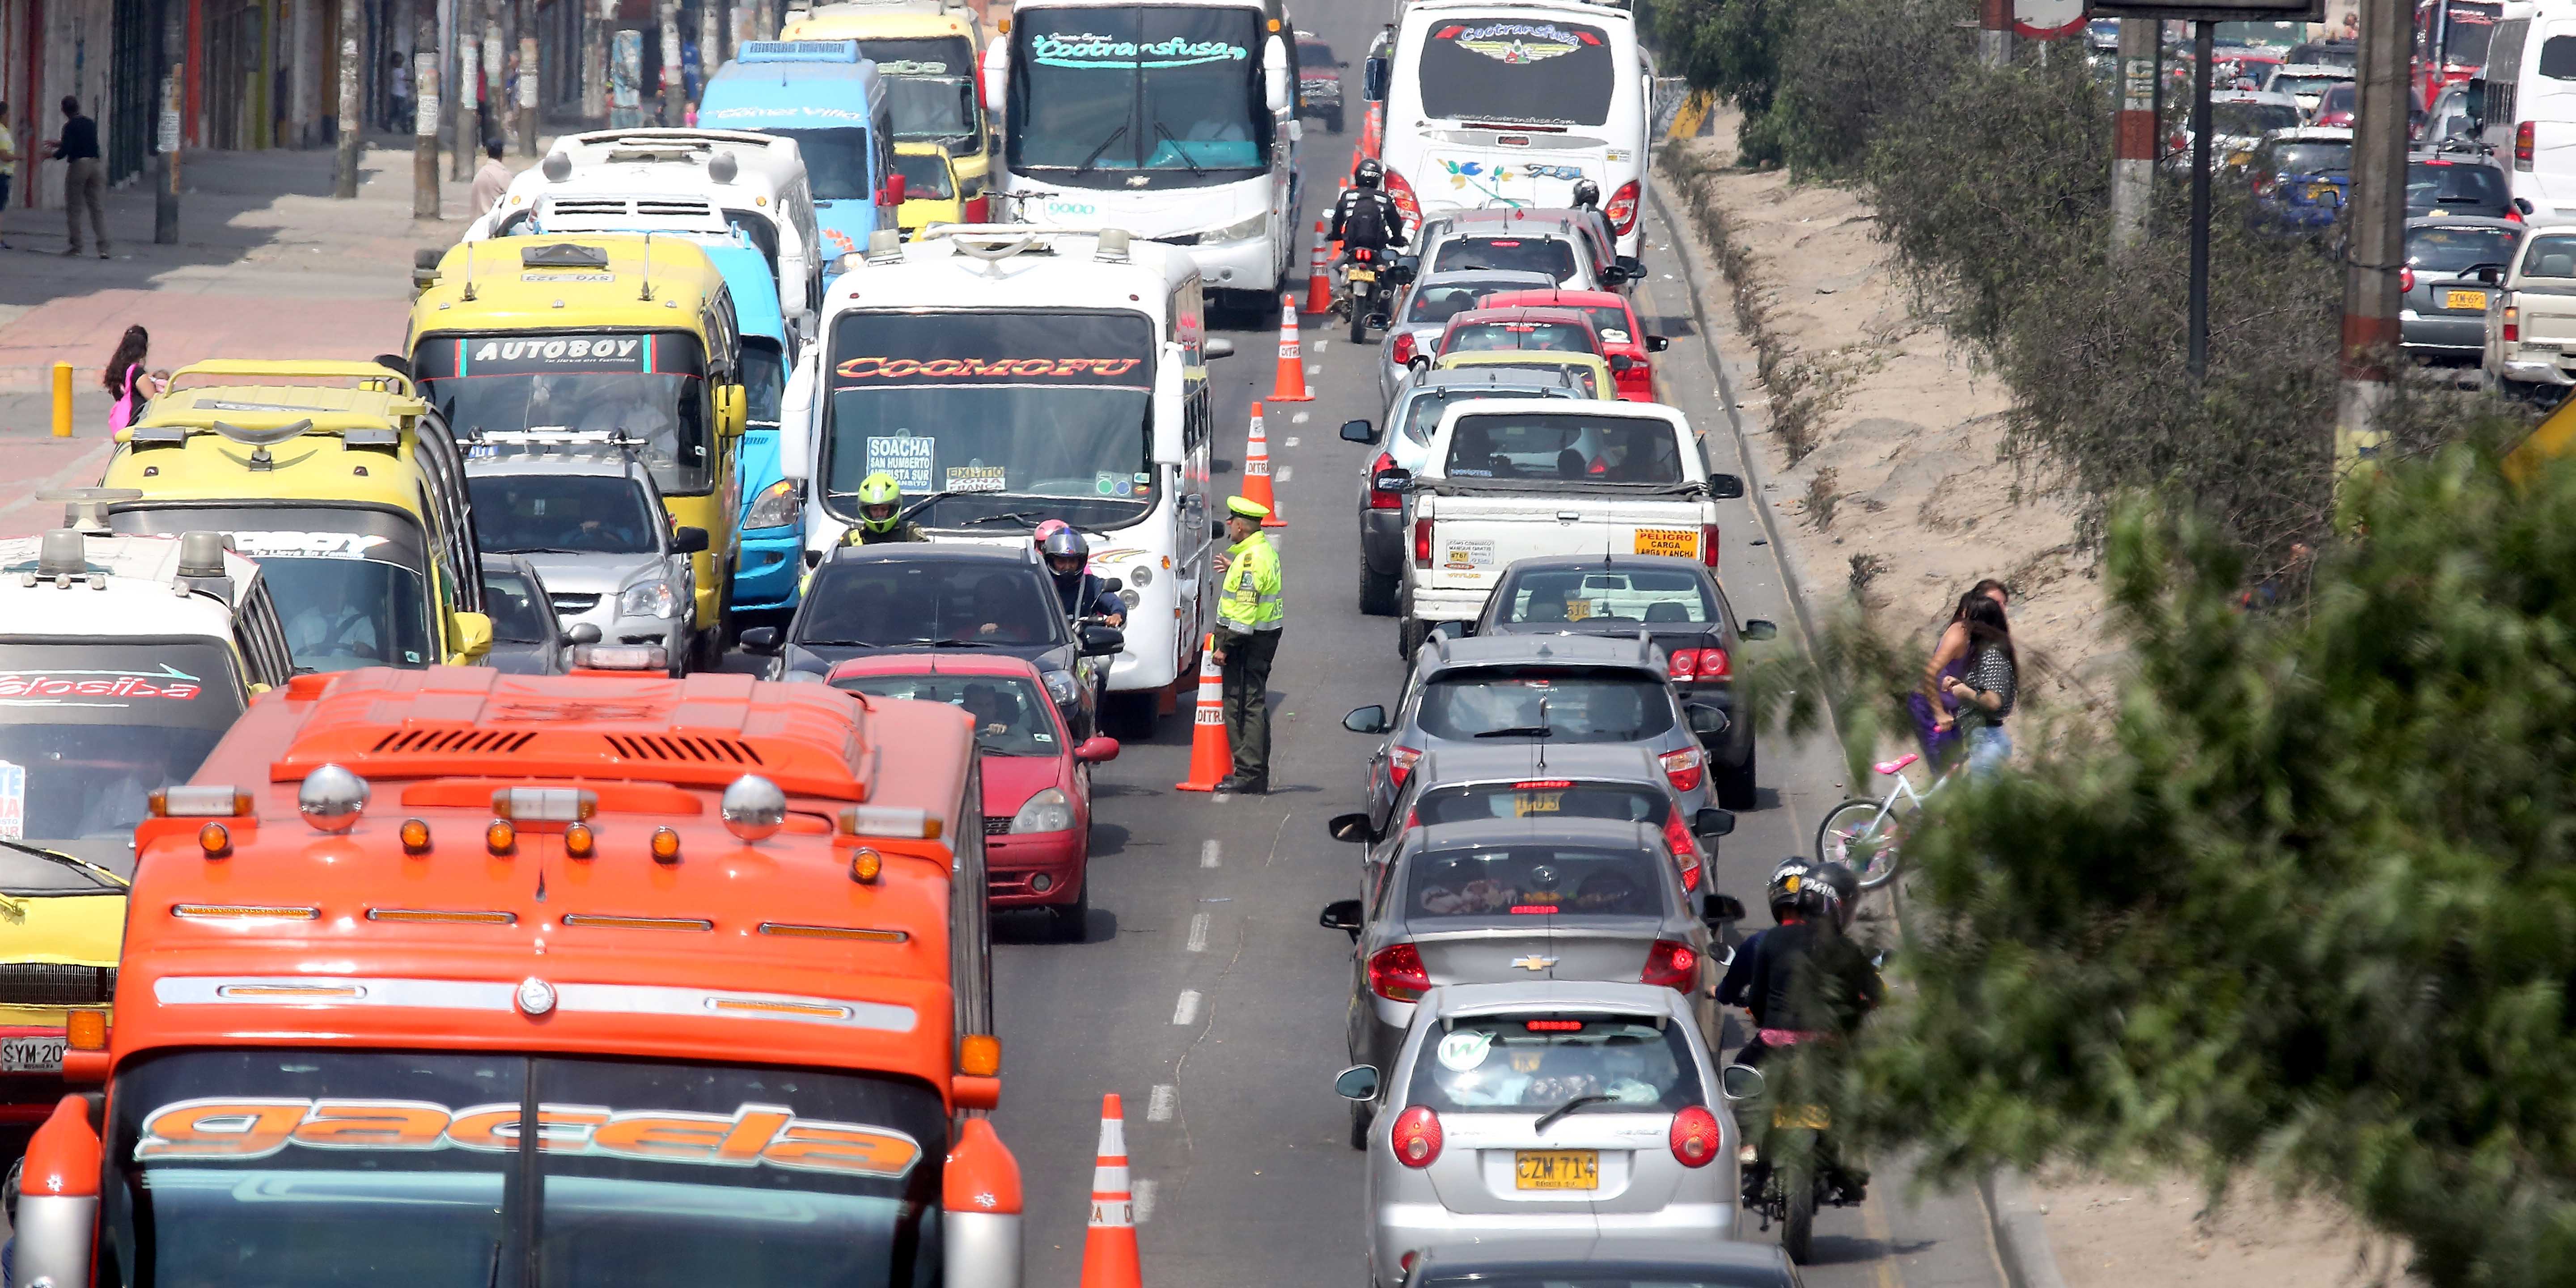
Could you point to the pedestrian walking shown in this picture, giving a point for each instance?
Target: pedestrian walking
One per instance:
(85, 183)
(1985, 694)
(398, 85)
(8, 164)
(1935, 714)
(1251, 609)
(491, 181)
(127, 381)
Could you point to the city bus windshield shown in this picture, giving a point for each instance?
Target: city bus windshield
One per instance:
(343, 1169)
(89, 727)
(1098, 95)
(1028, 414)
(647, 386)
(836, 160)
(930, 85)
(351, 584)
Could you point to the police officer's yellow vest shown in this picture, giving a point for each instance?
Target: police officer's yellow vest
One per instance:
(1251, 598)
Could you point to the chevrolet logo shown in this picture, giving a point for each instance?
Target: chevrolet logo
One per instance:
(1533, 963)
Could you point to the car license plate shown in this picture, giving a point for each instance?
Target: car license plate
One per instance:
(1679, 542)
(1525, 804)
(1559, 1169)
(1361, 275)
(1470, 554)
(31, 1055)
(2464, 300)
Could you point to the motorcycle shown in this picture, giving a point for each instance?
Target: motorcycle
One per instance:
(1363, 296)
(1788, 1176)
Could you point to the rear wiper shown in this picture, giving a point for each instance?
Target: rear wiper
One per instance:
(91, 870)
(1020, 516)
(1521, 731)
(1177, 149)
(1114, 136)
(1549, 1118)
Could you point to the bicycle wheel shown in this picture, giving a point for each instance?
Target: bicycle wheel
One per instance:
(1865, 836)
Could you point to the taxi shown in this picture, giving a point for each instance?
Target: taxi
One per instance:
(1589, 370)
(929, 187)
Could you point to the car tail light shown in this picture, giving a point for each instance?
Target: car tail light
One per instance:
(1622, 208)
(1671, 963)
(1380, 498)
(1685, 851)
(1708, 544)
(1687, 664)
(1396, 974)
(1682, 664)
(1401, 193)
(2513, 213)
(2512, 324)
(1405, 348)
(1695, 1136)
(1422, 543)
(2406, 279)
(1400, 762)
(1684, 768)
(1415, 1137)
(2522, 146)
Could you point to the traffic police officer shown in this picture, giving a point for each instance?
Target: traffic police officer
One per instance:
(1251, 608)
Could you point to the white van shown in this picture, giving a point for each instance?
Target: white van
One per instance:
(2529, 108)
(1513, 104)
(681, 181)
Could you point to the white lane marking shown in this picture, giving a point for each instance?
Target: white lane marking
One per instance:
(1144, 1202)
(1291, 442)
(1208, 856)
(1285, 471)
(1199, 933)
(1159, 1107)
(1320, 343)
(1187, 1010)
(1298, 419)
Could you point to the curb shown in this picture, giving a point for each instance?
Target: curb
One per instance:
(2020, 1231)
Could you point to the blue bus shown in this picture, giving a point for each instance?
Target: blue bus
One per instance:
(765, 568)
(831, 100)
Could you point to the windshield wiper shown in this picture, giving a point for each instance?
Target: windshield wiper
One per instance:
(88, 869)
(1521, 731)
(1549, 1118)
(1021, 516)
(955, 643)
(1114, 136)
(551, 550)
(1178, 149)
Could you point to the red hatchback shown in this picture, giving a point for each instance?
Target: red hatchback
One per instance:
(1037, 781)
(1613, 320)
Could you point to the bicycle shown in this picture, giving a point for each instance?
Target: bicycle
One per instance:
(1868, 835)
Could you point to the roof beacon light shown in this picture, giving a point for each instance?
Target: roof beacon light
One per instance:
(527, 805)
(201, 554)
(193, 800)
(1113, 246)
(331, 799)
(885, 245)
(754, 808)
(889, 821)
(62, 552)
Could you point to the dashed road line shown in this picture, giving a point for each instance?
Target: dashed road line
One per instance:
(1292, 442)
(1298, 419)
(1199, 933)
(1158, 1106)
(1284, 472)
(1209, 855)
(1186, 1011)
(1144, 1201)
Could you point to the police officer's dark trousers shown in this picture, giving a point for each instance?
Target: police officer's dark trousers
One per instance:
(1247, 701)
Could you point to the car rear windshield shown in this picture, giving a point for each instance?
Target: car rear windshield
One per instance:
(2304, 84)
(2244, 119)
(588, 514)
(1441, 301)
(956, 603)
(1422, 415)
(2337, 98)
(2453, 250)
(1550, 337)
(1563, 704)
(1541, 1061)
(1597, 449)
(2327, 157)
(1520, 254)
(2434, 183)
(1011, 717)
(1536, 881)
(1652, 596)
(1544, 798)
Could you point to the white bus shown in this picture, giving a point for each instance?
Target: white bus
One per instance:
(1173, 121)
(1008, 375)
(1512, 104)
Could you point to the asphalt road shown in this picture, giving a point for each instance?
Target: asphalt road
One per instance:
(1207, 996)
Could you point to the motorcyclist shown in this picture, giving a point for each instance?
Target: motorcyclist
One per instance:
(1808, 982)
(1365, 216)
(1080, 593)
(880, 514)
(1782, 892)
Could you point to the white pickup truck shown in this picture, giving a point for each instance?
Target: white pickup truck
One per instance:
(1507, 479)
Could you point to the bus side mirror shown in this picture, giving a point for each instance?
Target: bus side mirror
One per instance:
(424, 268)
(582, 633)
(996, 76)
(1373, 79)
(1217, 347)
(57, 1220)
(733, 410)
(1276, 87)
(796, 415)
(761, 640)
(473, 634)
(2474, 101)
(688, 541)
(893, 194)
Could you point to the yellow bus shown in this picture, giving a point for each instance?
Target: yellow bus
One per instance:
(929, 56)
(337, 479)
(608, 338)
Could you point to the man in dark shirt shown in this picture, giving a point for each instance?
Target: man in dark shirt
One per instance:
(85, 186)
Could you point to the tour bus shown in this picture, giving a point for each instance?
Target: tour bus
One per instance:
(2526, 100)
(1513, 104)
(838, 110)
(1173, 121)
(122, 660)
(705, 941)
(608, 338)
(703, 183)
(928, 51)
(1008, 375)
(766, 570)
(346, 488)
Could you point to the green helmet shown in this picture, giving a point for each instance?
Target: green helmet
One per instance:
(880, 502)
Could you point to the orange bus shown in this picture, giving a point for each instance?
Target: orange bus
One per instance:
(717, 945)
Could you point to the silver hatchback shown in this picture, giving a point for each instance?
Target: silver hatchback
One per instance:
(1544, 1108)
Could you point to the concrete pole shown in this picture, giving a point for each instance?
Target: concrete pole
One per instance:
(529, 80)
(2133, 151)
(2377, 248)
(710, 40)
(425, 107)
(670, 104)
(2196, 355)
(1994, 33)
(344, 172)
(468, 137)
(594, 62)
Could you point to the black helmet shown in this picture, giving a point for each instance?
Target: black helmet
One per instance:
(1065, 543)
(1834, 892)
(1786, 890)
(1587, 195)
(1370, 173)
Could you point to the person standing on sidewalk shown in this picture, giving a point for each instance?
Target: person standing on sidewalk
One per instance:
(398, 83)
(491, 181)
(8, 164)
(85, 185)
(1251, 608)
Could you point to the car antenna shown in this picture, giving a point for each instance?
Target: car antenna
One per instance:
(645, 292)
(469, 272)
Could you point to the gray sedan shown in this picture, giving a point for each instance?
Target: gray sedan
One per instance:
(1595, 1261)
(2442, 309)
(1424, 312)
(527, 639)
(590, 521)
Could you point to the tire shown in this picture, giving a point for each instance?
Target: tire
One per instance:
(1359, 320)
(1798, 1228)
(1409, 634)
(1361, 1117)
(1377, 594)
(1735, 786)
(1875, 865)
(1070, 923)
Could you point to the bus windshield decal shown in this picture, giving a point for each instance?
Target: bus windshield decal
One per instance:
(881, 367)
(753, 1135)
(1517, 42)
(540, 354)
(1093, 50)
(52, 684)
(307, 545)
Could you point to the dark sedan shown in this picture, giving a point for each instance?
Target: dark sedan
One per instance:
(2458, 185)
(527, 639)
(2442, 308)
(1677, 601)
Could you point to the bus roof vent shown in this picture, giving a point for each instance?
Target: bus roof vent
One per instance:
(691, 748)
(564, 255)
(417, 741)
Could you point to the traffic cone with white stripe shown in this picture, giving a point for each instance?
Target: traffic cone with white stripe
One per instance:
(1109, 1247)
(1291, 384)
(1211, 755)
(1319, 276)
(1256, 471)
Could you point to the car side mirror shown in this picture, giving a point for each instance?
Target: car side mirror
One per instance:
(1391, 479)
(1101, 641)
(1359, 1082)
(1726, 487)
(1657, 343)
(1092, 751)
(582, 633)
(1630, 270)
(1717, 908)
(762, 640)
(1350, 828)
(1342, 915)
(1735, 1081)
(1760, 628)
(1217, 348)
(688, 541)
(1366, 720)
(1710, 824)
(1705, 720)
(1358, 431)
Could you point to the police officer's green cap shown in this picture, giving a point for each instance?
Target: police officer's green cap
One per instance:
(1248, 509)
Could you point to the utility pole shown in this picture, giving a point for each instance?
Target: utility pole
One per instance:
(594, 61)
(670, 107)
(468, 138)
(344, 175)
(2377, 243)
(2133, 151)
(424, 97)
(529, 78)
(1994, 33)
(710, 42)
(2203, 40)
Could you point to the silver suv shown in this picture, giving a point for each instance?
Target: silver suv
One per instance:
(586, 515)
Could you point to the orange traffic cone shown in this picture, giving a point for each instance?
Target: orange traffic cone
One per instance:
(1319, 276)
(1109, 1248)
(1291, 385)
(1256, 471)
(1211, 756)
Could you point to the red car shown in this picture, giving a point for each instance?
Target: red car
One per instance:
(1485, 330)
(1037, 780)
(1613, 320)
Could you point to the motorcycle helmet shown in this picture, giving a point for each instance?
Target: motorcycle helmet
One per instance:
(1066, 553)
(1587, 195)
(1046, 530)
(1786, 890)
(880, 501)
(1832, 891)
(1370, 174)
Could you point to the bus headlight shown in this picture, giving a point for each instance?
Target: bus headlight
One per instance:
(648, 599)
(1142, 576)
(775, 507)
(1129, 598)
(1048, 811)
(1238, 231)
